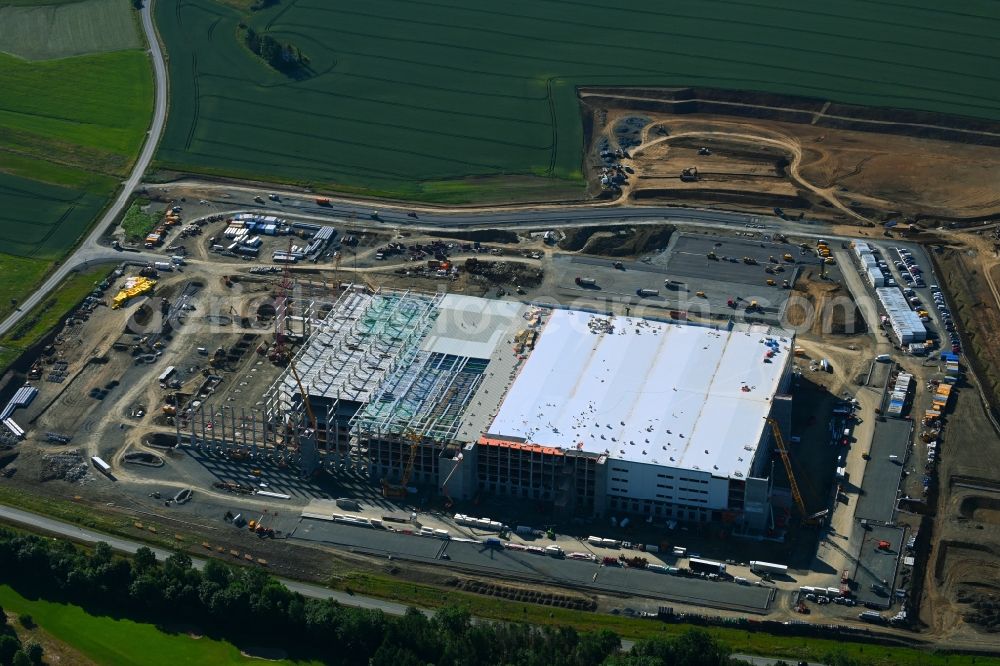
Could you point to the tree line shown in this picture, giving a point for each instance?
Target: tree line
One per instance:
(246, 605)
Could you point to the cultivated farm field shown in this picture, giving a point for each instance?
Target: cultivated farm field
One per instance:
(455, 100)
(42, 30)
(69, 130)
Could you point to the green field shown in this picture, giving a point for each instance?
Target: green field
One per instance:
(43, 30)
(414, 97)
(69, 128)
(48, 313)
(107, 640)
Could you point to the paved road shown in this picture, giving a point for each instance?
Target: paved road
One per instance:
(90, 252)
(84, 535)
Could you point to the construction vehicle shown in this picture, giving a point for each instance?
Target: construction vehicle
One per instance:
(770, 282)
(829, 260)
(788, 257)
(700, 294)
(772, 259)
(620, 266)
(586, 282)
(322, 201)
(689, 174)
(779, 442)
(785, 284)
(750, 260)
(755, 306)
(769, 270)
(398, 490)
(712, 256)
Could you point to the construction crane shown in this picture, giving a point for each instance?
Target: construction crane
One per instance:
(448, 501)
(398, 490)
(280, 353)
(305, 397)
(808, 518)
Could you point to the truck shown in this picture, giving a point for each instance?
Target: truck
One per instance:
(322, 201)
(759, 567)
(163, 266)
(178, 259)
(99, 463)
(706, 566)
(586, 281)
(883, 358)
(646, 293)
(871, 616)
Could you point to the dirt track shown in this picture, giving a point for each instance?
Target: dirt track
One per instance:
(855, 177)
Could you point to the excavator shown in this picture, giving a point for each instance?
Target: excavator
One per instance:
(779, 441)
(398, 490)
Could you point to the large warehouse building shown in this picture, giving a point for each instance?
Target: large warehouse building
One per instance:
(590, 414)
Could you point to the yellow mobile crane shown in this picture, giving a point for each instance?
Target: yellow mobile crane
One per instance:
(807, 518)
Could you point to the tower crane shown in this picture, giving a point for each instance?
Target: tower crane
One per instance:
(807, 517)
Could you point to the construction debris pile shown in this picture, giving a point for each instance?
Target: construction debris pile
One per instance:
(598, 325)
(68, 465)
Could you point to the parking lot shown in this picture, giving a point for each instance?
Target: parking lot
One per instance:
(876, 569)
(577, 574)
(883, 473)
(684, 269)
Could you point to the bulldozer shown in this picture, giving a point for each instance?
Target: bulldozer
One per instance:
(689, 174)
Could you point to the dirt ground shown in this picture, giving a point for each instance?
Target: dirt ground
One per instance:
(755, 164)
(838, 313)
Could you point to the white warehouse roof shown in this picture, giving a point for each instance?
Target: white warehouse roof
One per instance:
(666, 394)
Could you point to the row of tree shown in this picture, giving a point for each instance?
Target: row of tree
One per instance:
(247, 606)
(283, 57)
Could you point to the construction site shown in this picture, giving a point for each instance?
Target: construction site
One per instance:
(466, 395)
(497, 409)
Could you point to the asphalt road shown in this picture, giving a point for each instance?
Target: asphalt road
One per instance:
(89, 251)
(507, 564)
(84, 535)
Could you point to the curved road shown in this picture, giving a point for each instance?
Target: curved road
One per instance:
(90, 251)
